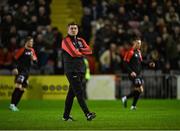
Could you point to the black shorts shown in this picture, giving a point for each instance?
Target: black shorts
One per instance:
(22, 79)
(137, 81)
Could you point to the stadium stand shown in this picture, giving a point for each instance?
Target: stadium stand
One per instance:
(103, 22)
(156, 22)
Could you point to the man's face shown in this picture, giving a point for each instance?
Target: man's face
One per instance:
(30, 43)
(73, 30)
(137, 44)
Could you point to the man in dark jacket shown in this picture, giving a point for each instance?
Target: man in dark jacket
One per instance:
(74, 49)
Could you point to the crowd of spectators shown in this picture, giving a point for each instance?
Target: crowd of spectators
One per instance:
(21, 18)
(107, 23)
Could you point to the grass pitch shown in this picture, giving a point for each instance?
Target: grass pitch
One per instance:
(46, 114)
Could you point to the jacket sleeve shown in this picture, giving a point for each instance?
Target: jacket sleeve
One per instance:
(70, 49)
(86, 50)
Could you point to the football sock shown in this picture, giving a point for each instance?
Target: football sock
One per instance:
(130, 95)
(14, 96)
(20, 93)
(136, 97)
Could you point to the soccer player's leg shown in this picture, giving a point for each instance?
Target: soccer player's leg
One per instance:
(124, 101)
(20, 82)
(135, 99)
(138, 89)
(130, 95)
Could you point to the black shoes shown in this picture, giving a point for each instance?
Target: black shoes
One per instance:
(91, 116)
(68, 119)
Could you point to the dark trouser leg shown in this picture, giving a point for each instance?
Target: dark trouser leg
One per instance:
(16, 96)
(81, 101)
(84, 85)
(76, 81)
(69, 102)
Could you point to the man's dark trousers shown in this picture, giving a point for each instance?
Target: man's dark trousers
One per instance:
(75, 89)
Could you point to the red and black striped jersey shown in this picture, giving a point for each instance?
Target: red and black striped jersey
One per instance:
(23, 58)
(133, 61)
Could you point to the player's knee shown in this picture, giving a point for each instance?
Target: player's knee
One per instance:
(139, 89)
(22, 89)
(18, 85)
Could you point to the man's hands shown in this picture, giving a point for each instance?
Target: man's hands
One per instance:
(152, 64)
(15, 71)
(33, 58)
(133, 74)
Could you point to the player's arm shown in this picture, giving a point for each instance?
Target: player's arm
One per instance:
(152, 64)
(70, 49)
(15, 61)
(14, 67)
(34, 59)
(128, 69)
(126, 63)
(15, 71)
(148, 64)
(86, 50)
(33, 55)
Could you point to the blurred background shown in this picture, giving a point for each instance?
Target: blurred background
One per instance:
(105, 25)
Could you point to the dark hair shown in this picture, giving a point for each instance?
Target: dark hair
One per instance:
(133, 37)
(28, 38)
(73, 23)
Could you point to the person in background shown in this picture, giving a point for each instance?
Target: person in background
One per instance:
(87, 76)
(133, 64)
(22, 63)
(110, 60)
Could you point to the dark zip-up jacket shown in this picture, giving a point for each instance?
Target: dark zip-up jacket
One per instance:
(74, 50)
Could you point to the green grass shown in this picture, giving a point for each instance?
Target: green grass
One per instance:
(37, 114)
